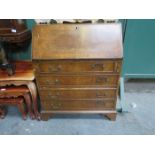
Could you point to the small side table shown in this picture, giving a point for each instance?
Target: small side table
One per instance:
(24, 75)
(19, 91)
(19, 101)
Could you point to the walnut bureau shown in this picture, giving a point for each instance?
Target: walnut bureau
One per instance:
(77, 67)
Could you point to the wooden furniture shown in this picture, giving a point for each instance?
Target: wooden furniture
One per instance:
(24, 75)
(20, 91)
(14, 31)
(19, 101)
(13, 34)
(77, 67)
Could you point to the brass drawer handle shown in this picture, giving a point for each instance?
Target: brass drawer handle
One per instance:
(57, 93)
(56, 105)
(100, 102)
(56, 69)
(101, 95)
(42, 87)
(101, 79)
(54, 96)
(102, 66)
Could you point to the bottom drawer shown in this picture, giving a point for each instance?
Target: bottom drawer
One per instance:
(64, 105)
(77, 93)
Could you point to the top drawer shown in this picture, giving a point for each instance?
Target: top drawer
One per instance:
(76, 66)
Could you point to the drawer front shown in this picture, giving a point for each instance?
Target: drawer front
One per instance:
(77, 93)
(59, 80)
(63, 105)
(70, 66)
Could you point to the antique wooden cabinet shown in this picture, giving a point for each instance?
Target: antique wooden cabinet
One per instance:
(77, 67)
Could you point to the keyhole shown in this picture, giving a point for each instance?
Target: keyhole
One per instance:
(76, 27)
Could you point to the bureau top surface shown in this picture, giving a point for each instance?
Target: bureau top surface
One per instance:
(77, 41)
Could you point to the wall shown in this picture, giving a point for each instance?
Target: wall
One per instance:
(139, 49)
(24, 54)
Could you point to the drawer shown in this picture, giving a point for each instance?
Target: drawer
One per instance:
(70, 66)
(59, 80)
(76, 93)
(78, 105)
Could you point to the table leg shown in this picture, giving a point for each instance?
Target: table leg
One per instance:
(22, 110)
(29, 105)
(33, 91)
(2, 112)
